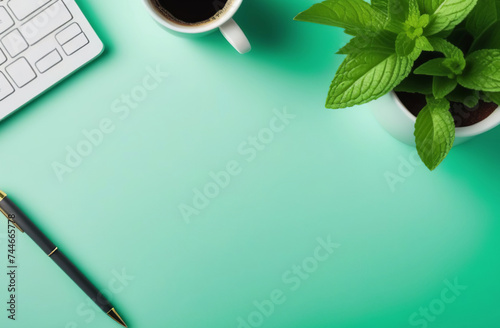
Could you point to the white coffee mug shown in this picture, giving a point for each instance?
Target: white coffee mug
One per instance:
(225, 22)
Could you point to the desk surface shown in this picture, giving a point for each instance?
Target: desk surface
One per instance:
(298, 226)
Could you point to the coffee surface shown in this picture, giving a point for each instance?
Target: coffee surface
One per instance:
(191, 11)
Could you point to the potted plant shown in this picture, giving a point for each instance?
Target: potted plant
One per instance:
(441, 59)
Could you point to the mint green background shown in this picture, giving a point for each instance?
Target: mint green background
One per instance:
(323, 175)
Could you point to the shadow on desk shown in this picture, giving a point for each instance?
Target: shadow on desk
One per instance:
(476, 164)
(279, 41)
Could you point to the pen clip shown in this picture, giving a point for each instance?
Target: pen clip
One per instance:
(9, 217)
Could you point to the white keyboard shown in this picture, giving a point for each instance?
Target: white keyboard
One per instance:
(41, 42)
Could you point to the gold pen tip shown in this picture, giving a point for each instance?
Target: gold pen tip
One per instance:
(2, 195)
(115, 316)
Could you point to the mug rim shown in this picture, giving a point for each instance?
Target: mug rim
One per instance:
(195, 29)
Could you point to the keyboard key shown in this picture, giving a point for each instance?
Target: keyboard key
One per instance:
(6, 21)
(46, 22)
(6, 88)
(23, 8)
(21, 72)
(75, 44)
(48, 61)
(32, 36)
(3, 59)
(14, 43)
(68, 33)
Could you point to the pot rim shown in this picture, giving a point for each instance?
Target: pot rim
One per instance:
(485, 125)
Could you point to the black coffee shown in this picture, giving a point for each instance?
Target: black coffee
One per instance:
(190, 11)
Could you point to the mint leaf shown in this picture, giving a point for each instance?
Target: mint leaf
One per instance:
(383, 42)
(447, 49)
(470, 102)
(445, 14)
(352, 15)
(482, 17)
(434, 132)
(482, 71)
(424, 44)
(493, 97)
(405, 45)
(381, 6)
(455, 59)
(398, 13)
(444, 34)
(442, 86)
(420, 45)
(413, 11)
(469, 98)
(416, 84)
(434, 67)
(488, 39)
(366, 76)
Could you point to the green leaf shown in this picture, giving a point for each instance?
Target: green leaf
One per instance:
(405, 45)
(434, 67)
(398, 10)
(352, 15)
(424, 44)
(442, 86)
(447, 49)
(366, 76)
(398, 13)
(471, 102)
(488, 39)
(482, 17)
(443, 34)
(416, 84)
(383, 42)
(493, 97)
(381, 5)
(455, 59)
(445, 14)
(417, 51)
(482, 72)
(468, 97)
(434, 132)
(484, 25)
(414, 12)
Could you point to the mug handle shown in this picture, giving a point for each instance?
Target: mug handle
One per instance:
(235, 36)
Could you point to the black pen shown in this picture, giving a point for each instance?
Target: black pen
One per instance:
(18, 219)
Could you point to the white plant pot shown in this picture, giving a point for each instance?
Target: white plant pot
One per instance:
(400, 123)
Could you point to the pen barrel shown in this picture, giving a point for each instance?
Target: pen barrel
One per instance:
(16, 215)
(77, 276)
